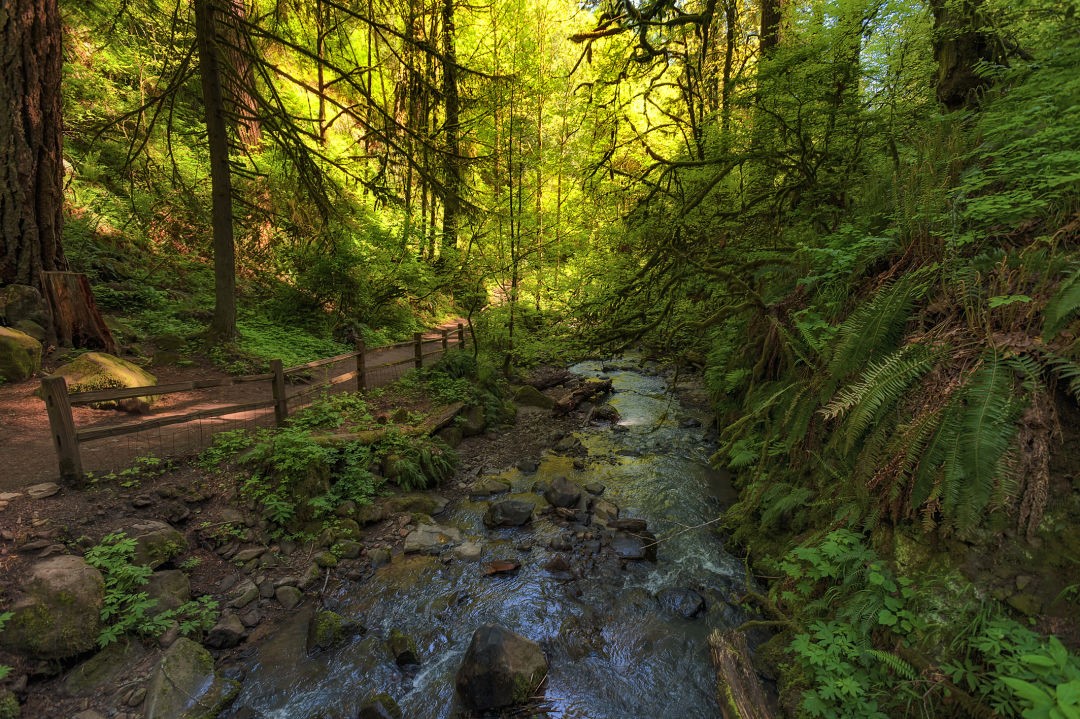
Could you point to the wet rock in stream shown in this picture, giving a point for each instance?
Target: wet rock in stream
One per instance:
(682, 602)
(562, 493)
(500, 669)
(508, 513)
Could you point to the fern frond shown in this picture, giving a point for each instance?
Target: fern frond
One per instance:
(874, 327)
(898, 665)
(988, 427)
(878, 389)
(1062, 307)
(1065, 370)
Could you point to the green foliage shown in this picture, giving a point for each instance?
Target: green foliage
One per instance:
(127, 609)
(415, 462)
(331, 411)
(4, 618)
(225, 447)
(1019, 672)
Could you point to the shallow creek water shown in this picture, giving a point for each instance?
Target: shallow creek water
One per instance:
(614, 652)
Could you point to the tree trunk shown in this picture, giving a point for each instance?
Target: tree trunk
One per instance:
(31, 156)
(239, 81)
(961, 41)
(452, 164)
(771, 13)
(223, 325)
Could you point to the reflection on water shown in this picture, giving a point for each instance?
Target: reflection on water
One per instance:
(614, 653)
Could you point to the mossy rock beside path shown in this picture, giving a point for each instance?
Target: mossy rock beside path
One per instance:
(96, 371)
(20, 355)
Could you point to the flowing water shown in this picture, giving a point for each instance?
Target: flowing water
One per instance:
(614, 652)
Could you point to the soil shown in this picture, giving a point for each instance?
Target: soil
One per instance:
(206, 508)
(29, 457)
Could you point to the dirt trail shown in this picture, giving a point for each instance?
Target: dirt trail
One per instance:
(27, 455)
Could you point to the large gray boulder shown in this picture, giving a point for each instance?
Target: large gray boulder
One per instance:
(185, 685)
(155, 542)
(562, 493)
(500, 669)
(58, 614)
(20, 355)
(431, 539)
(22, 303)
(508, 513)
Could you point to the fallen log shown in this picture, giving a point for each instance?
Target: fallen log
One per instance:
(586, 390)
(431, 424)
(740, 691)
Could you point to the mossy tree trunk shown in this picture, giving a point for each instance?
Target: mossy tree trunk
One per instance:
(962, 40)
(31, 156)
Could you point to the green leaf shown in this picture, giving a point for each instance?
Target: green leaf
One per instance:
(1026, 690)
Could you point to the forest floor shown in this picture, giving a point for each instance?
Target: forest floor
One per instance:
(201, 504)
(29, 457)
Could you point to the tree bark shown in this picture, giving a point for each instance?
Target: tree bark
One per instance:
(771, 13)
(452, 126)
(223, 325)
(31, 154)
(961, 41)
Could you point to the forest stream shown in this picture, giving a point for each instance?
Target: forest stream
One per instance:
(625, 638)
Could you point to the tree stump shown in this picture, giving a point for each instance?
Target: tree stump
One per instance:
(76, 319)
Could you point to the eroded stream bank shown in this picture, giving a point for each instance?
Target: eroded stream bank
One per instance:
(625, 636)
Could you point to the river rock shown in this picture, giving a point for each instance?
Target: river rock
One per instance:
(488, 487)
(431, 539)
(562, 493)
(288, 596)
(227, 633)
(594, 488)
(185, 685)
(528, 396)
(20, 355)
(629, 524)
(327, 629)
(681, 602)
(402, 647)
(604, 512)
(380, 706)
(500, 669)
(170, 588)
(606, 413)
(633, 546)
(469, 551)
(413, 502)
(100, 673)
(508, 513)
(59, 612)
(99, 371)
(155, 542)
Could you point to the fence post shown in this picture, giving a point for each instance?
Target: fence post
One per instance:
(361, 369)
(461, 335)
(281, 403)
(54, 390)
(418, 338)
(445, 341)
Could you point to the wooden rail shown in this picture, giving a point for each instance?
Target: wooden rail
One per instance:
(67, 438)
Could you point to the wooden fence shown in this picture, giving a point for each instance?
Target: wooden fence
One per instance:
(68, 439)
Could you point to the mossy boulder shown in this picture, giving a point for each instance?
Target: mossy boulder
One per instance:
(22, 302)
(380, 706)
(529, 396)
(500, 669)
(328, 629)
(58, 614)
(95, 371)
(101, 672)
(20, 355)
(155, 542)
(185, 685)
